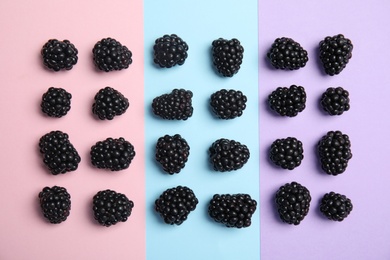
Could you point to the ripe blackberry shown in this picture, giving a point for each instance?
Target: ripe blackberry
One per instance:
(335, 206)
(292, 202)
(109, 54)
(59, 55)
(109, 103)
(59, 155)
(288, 101)
(232, 210)
(287, 54)
(113, 154)
(335, 101)
(286, 153)
(172, 153)
(175, 204)
(111, 207)
(56, 102)
(176, 105)
(170, 50)
(228, 104)
(55, 204)
(335, 53)
(227, 56)
(228, 155)
(334, 150)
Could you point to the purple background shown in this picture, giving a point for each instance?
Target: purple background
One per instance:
(365, 234)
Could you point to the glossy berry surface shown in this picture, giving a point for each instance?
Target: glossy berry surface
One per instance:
(55, 204)
(335, 206)
(287, 152)
(288, 101)
(228, 155)
(59, 55)
(109, 55)
(56, 102)
(169, 51)
(227, 56)
(109, 103)
(287, 54)
(335, 101)
(228, 104)
(172, 153)
(176, 105)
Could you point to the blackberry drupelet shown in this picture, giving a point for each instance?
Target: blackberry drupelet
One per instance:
(169, 51)
(59, 55)
(334, 150)
(109, 103)
(287, 152)
(111, 207)
(335, 101)
(55, 204)
(288, 101)
(59, 155)
(172, 153)
(287, 54)
(232, 210)
(113, 154)
(335, 53)
(176, 105)
(175, 204)
(227, 56)
(335, 206)
(109, 54)
(228, 104)
(228, 155)
(292, 202)
(56, 102)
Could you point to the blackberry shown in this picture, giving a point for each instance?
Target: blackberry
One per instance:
(334, 150)
(59, 155)
(170, 50)
(335, 53)
(228, 155)
(232, 210)
(287, 54)
(109, 54)
(288, 101)
(59, 55)
(286, 153)
(111, 207)
(292, 202)
(175, 204)
(176, 105)
(113, 154)
(109, 103)
(56, 102)
(335, 101)
(335, 206)
(227, 56)
(55, 204)
(172, 153)
(228, 104)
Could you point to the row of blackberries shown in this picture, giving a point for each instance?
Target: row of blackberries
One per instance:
(173, 205)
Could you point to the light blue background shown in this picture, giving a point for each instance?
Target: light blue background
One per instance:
(199, 23)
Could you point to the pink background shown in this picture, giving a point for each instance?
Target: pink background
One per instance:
(26, 26)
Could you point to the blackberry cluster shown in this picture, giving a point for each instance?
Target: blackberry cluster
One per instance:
(109, 54)
(172, 153)
(176, 105)
(288, 101)
(228, 104)
(59, 55)
(286, 153)
(111, 207)
(55, 204)
(335, 101)
(175, 204)
(335, 206)
(232, 210)
(113, 154)
(59, 155)
(227, 56)
(334, 150)
(228, 155)
(287, 54)
(335, 53)
(56, 102)
(170, 50)
(292, 202)
(109, 103)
